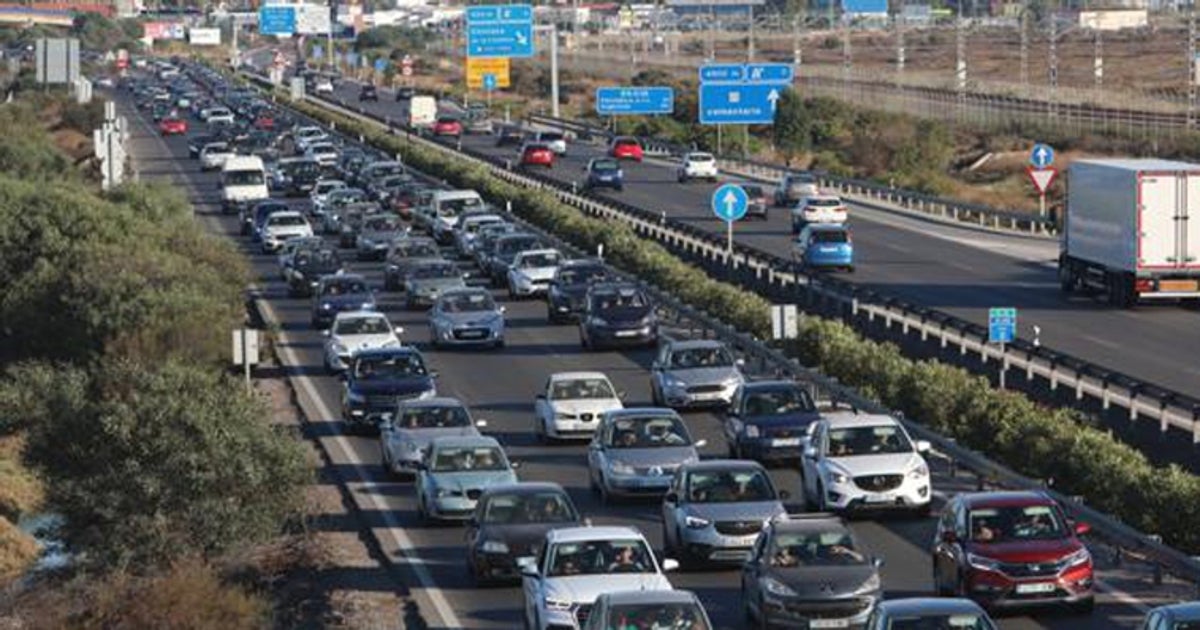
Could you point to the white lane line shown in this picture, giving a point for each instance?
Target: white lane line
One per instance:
(446, 615)
(1121, 596)
(1101, 342)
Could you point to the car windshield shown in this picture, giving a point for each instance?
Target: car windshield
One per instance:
(777, 402)
(216, 147)
(445, 120)
(320, 258)
(797, 181)
(927, 621)
(510, 246)
(458, 206)
(657, 617)
(883, 439)
(550, 136)
(382, 224)
(534, 507)
(582, 389)
(824, 203)
(580, 275)
(362, 326)
(830, 236)
(1016, 523)
(599, 557)
(814, 549)
(697, 358)
(243, 178)
(346, 196)
(464, 459)
(648, 432)
(753, 192)
(468, 302)
(627, 143)
(304, 168)
(324, 188)
(446, 417)
(605, 165)
(388, 367)
(700, 157)
(435, 271)
(285, 219)
(474, 226)
(548, 259)
(729, 486)
(345, 287)
(621, 299)
(418, 250)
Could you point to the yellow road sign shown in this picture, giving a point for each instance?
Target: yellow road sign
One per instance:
(477, 67)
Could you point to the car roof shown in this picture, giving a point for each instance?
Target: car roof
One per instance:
(540, 251)
(1005, 498)
(458, 441)
(808, 522)
(693, 344)
(823, 196)
(439, 401)
(383, 353)
(581, 262)
(614, 287)
(359, 314)
(1185, 611)
(637, 412)
(768, 385)
(344, 276)
(708, 465)
(850, 419)
(571, 376)
(930, 606)
(620, 598)
(523, 487)
(826, 227)
(588, 533)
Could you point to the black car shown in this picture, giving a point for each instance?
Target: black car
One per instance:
(368, 93)
(334, 294)
(510, 137)
(405, 93)
(403, 255)
(510, 522)
(300, 176)
(617, 314)
(504, 251)
(377, 380)
(767, 420)
(806, 568)
(564, 300)
(308, 267)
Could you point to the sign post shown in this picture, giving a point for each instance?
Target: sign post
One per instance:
(245, 351)
(729, 203)
(1002, 330)
(1041, 157)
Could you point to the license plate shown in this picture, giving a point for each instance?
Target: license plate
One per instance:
(1177, 285)
(777, 442)
(627, 333)
(829, 623)
(1036, 587)
(877, 498)
(472, 334)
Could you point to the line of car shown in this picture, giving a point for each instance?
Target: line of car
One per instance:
(796, 570)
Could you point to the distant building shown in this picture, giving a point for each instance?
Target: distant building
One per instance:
(684, 8)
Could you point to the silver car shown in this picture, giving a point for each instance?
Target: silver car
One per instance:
(693, 373)
(455, 473)
(376, 235)
(404, 440)
(716, 508)
(468, 229)
(635, 452)
(428, 280)
(466, 317)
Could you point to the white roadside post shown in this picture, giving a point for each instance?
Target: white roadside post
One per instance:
(245, 351)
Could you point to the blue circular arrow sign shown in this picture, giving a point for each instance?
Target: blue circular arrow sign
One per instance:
(729, 203)
(1041, 156)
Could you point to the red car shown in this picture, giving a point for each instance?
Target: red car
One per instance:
(1012, 549)
(537, 155)
(172, 126)
(265, 122)
(625, 148)
(446, 126)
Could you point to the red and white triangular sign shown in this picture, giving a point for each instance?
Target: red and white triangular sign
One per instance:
(1041, 177)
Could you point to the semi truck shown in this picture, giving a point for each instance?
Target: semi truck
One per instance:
(1132, 230)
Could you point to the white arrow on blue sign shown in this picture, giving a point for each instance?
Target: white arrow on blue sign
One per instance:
(738, 104)
(489, 82)
(729, 203)
(500, 31)
(1002, 325)
(1041, 156)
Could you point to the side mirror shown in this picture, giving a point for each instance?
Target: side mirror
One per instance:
(325, 333)
(701, 443)
(528, 565)
(503, 309)
(514, 465)
(670, 564)
(399, 330)
(671, 498)
(1082, 529)
(877, 562)
(656, 366)
(810, 452)
(481, 423)
(784, 495)
(621, 395)
(923, 446)
(740, 363)
(433, 374)
(949, 537)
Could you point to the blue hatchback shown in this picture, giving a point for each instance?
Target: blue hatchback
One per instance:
(604, 173)
(824, 246)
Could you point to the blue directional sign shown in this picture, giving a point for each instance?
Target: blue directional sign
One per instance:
(726, 72)
(500, 30)
(1042, 155)
(277, 20)
(381, 64)
(769, 73)
(489, 82)
(729, 203)
(1002, 325)
(613, 101)
(739, 104)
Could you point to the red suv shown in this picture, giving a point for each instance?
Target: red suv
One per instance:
(1012, 549)
(537, 154)
(626, 149)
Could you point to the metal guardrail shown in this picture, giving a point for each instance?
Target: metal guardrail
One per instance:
(861, 191)
(770, 360)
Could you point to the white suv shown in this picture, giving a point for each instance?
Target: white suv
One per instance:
(355, 331)
(577, 564)
(864, 461)
(281, 227)
(818, 209)
(698, 165)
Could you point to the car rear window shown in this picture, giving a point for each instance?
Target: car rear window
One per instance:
(830, 236)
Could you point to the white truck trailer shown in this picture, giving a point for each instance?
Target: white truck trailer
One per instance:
(1132, 230)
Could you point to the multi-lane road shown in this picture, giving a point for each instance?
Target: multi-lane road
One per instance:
(959, 270)
(499, 386)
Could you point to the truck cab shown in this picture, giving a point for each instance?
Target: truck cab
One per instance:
(243, 182)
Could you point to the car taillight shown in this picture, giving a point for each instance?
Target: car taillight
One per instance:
(1143, 285)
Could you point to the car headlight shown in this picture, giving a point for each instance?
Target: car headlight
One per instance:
(695, 522)
(325, 306)
(672, 382)
(340, 349)
(427, 394)
(557, 604)
(775, 587)
(869, 586)
(368, 305)
(411, 446)
(494, 546)
(620, 468)
(838, 478)
(921, 471)
(597, 321)
(355, 397)
(983, 562)
(441, 492)
(649, 320)
(1083, 556)
(752, 431)
(733, 380)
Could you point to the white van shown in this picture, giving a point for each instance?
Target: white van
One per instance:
(445, 208)
(243, 181)
(420, 112)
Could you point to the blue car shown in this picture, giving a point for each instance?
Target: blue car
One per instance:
(256, 217)
(768, 420)
(604, 173)
(824, 246)
(378, 380)
(337, 293)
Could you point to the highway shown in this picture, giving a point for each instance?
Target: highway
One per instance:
(955, 269)
(499, 386)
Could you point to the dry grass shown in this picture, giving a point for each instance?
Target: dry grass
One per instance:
(18, 551)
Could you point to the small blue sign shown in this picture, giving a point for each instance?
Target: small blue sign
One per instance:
(381, 64)
(277, 20)
(1041, 156)
(489, 82)
(769, 73)
(729, 203)
(1002, 325)
(865, 7)
(500, 31)
(317, 51)
(722, 72)
(613, 101)
(739, 104)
